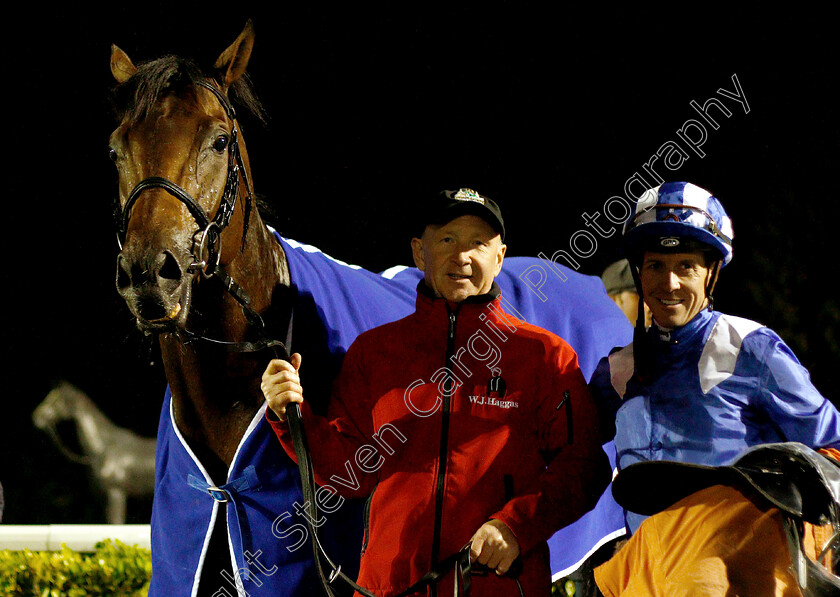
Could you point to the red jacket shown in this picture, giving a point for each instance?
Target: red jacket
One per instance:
(417, 425)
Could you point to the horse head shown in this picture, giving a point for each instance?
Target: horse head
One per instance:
(185, 195)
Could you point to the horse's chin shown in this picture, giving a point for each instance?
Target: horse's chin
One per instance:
(158, 315)
(174, 319)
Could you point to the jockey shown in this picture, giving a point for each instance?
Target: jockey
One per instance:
(697, 386)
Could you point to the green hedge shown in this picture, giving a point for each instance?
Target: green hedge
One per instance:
(113, 569)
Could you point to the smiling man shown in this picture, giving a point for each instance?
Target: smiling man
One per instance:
(676, 286)
(697, 386)
(475, 432)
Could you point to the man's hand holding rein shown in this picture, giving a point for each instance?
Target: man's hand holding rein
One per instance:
(281, 385)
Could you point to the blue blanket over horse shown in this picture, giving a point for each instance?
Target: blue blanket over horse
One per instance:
(335, 302)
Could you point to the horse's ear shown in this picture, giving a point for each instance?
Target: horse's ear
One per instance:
(121, 65)
(233, 61)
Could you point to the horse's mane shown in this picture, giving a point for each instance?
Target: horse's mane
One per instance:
(157, 78)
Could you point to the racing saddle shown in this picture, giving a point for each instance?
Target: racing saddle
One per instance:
(802, 483)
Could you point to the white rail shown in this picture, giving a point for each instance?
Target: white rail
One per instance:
(79, 537)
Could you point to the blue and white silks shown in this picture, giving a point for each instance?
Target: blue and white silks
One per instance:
(721, 385)
(335, 302)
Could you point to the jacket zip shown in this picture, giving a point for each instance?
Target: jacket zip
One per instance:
(366, 536)
(570, 428)
(444, 446)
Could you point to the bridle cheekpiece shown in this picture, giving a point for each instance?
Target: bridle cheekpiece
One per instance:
(206, 259)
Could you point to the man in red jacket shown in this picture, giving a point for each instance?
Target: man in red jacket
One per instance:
(463, 426)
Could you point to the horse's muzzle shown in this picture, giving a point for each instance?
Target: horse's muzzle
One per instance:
(156, 289)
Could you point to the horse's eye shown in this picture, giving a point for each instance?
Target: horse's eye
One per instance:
(220, 143)
(112, 154)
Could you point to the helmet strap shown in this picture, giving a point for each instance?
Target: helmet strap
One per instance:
(710, 287)
(642, 354)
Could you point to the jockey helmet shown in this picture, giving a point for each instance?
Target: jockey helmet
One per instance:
(678, 217)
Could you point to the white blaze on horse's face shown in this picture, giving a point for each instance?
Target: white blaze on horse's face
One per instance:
(180, 140)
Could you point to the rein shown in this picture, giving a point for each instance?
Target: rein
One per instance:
(460, 561)
(210, 242)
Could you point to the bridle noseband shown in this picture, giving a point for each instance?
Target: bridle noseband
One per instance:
(210, 230)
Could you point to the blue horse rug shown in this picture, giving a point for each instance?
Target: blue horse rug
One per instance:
(262, 501)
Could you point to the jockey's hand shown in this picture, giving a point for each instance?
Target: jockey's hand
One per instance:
(281, 385)
(495, 546)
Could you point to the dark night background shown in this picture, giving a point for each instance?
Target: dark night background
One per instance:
(547, 111)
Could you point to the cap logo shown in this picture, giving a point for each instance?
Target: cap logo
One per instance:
(468, 195)
(669, 242)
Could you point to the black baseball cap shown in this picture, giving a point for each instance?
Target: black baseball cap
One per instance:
(448, 205)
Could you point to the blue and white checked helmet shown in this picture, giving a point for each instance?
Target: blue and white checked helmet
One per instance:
(667, 215)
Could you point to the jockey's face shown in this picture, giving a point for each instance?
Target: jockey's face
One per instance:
(460, 258)
(674, 286)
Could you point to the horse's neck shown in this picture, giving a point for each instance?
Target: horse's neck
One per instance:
(216, 393)
(263, 264)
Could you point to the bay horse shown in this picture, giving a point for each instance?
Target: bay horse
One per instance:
(217, 292)
(224, 293)
(180, 156)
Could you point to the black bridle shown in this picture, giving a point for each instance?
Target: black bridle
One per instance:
(210, 230)
(208, 237)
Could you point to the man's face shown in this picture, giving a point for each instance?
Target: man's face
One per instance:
(674, 286)
(460, 258)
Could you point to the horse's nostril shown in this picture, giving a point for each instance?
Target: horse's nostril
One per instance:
(170, 269)
(164, 272)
